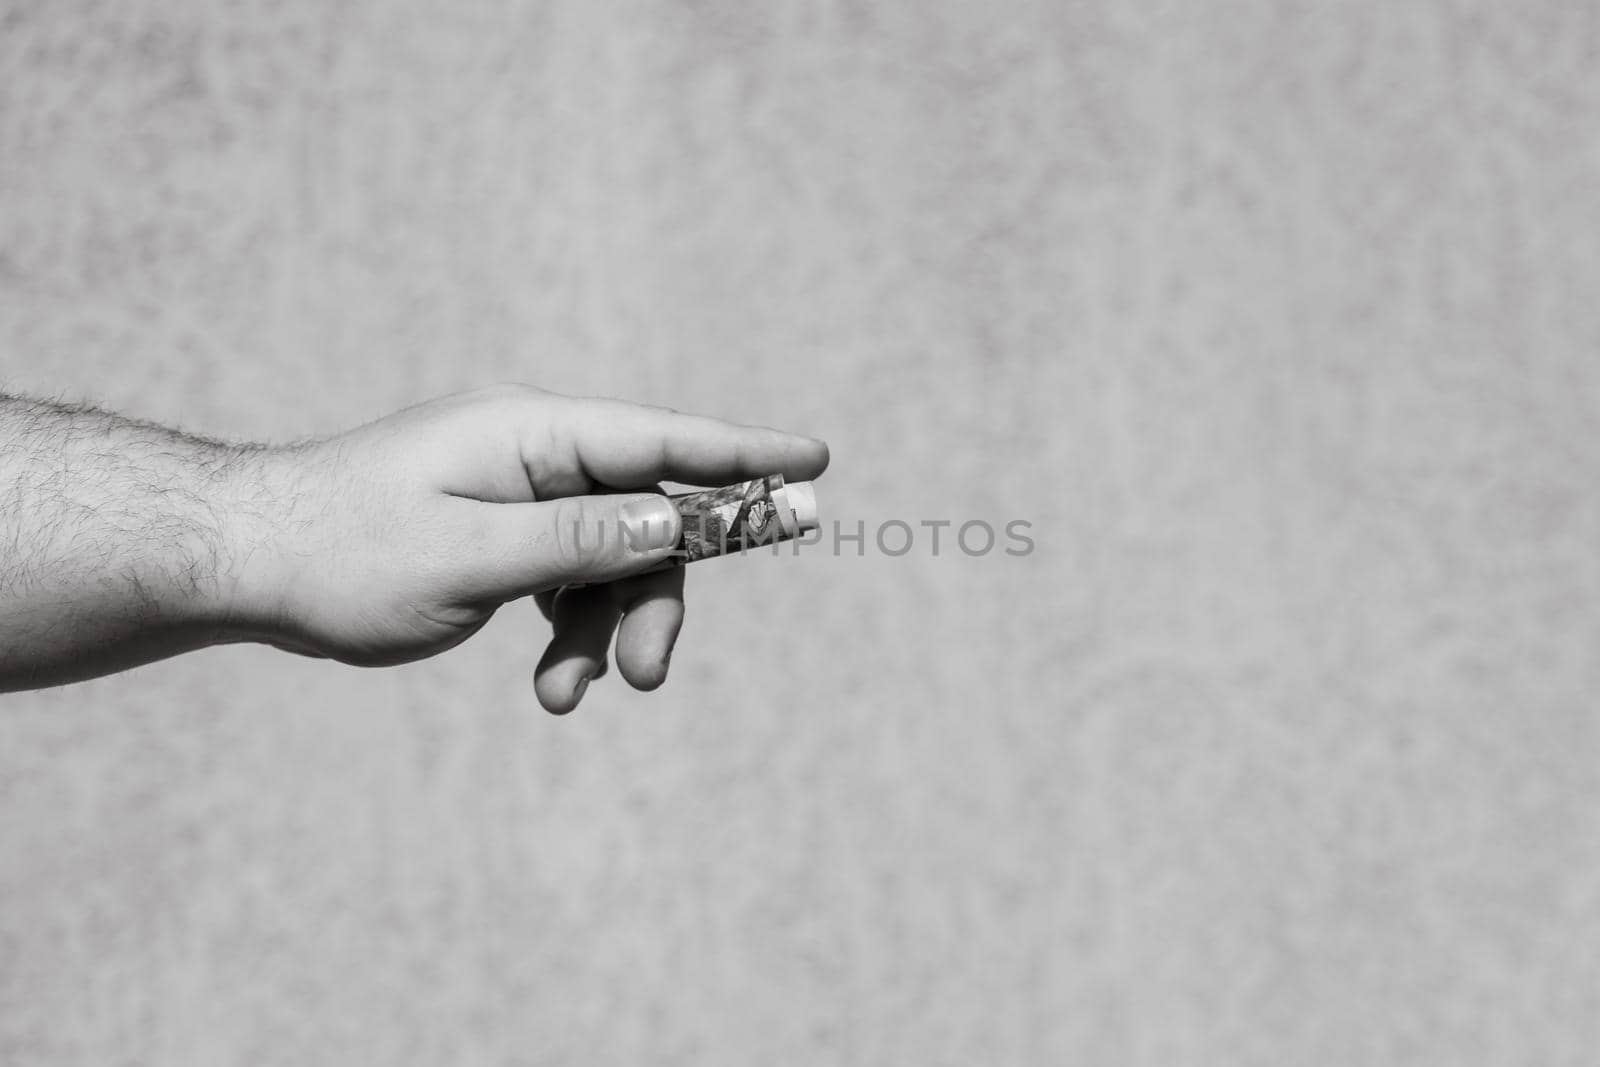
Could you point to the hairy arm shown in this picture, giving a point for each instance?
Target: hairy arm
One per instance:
(121, 541)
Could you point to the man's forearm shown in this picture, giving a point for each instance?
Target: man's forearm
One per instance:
(121, 541)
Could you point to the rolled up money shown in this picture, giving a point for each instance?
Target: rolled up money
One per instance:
(735, 518)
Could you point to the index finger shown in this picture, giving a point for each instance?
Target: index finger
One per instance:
(626, 445)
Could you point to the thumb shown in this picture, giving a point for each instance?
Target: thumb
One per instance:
(527, 548)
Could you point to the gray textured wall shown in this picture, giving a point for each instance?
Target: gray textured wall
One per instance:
(1281, 322)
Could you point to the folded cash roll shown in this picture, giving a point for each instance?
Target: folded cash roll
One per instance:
(736, 518)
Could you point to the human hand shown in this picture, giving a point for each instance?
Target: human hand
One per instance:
(403, 536)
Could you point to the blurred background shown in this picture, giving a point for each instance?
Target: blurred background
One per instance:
(1278, 321)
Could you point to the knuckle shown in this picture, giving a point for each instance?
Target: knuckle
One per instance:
(509, 393)
(577, 536)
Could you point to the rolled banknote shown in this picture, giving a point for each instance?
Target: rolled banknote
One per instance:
(735, 518)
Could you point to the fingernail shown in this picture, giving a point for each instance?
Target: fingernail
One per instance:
(650, 522)
(577, 694)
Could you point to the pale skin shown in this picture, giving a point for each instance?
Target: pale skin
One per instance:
(124, 542)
